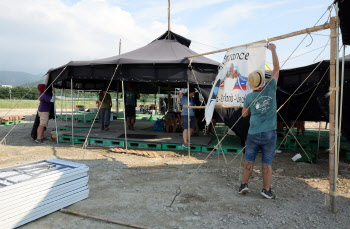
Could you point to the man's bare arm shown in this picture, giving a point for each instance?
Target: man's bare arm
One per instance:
(276, 64)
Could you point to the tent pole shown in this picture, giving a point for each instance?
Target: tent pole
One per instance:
(65, 103)
(169, 20)
(169, 97)
(318, 141)
(188, 121)
(341, 99)
(118, 82)
(332, 175)
(84, 104)
(126, 137)
(61, 102)
(71, 95)
(54, 108)
(117, 108)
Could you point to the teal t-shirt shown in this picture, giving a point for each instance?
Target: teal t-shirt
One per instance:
(263, 115)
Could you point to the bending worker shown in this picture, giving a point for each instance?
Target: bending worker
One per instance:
(262, 107)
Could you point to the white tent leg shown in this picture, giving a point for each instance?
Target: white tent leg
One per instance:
(54, 110)
(188, 120)
(71, 95)
(126, 137)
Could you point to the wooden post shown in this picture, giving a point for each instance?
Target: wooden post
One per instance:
(332, 181)
(169, 20)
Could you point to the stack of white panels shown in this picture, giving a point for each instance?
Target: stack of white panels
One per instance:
(30, 191)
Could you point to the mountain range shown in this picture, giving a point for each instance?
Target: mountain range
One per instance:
(20, 78)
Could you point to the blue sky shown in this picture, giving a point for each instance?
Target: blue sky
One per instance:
(39, 34)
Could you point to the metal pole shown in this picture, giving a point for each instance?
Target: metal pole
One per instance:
(65, 103)
(61, 102)
(84, 105)
(117, 110)
(71, 95)
(341, 99)
(188, 120)
(126, 136)
(54, 108)
(120, 49)
(318, 141)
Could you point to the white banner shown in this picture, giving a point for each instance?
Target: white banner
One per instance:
(231, 84)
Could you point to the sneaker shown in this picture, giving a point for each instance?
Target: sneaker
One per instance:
(102, 128)
(107, 128)
(39, 141)
(132, 127)
(243, 189)
(129, 127)
(268, 194)
(185, 145)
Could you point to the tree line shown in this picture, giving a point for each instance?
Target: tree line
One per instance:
(30, 93)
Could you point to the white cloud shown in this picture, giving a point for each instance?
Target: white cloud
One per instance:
(37, 35)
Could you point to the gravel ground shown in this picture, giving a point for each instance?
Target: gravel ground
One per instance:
(139, 190)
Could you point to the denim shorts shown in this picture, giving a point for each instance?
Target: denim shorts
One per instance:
(266, 141)
(185, 122)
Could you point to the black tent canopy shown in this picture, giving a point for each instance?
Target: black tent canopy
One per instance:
(160, 62)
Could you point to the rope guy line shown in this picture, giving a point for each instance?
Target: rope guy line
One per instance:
(92, 124)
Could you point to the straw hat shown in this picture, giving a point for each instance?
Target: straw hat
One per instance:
(256, 79)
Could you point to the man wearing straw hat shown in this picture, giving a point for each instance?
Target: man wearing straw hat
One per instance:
(261, 105)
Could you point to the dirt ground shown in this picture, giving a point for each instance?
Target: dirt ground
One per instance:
(139, 190)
